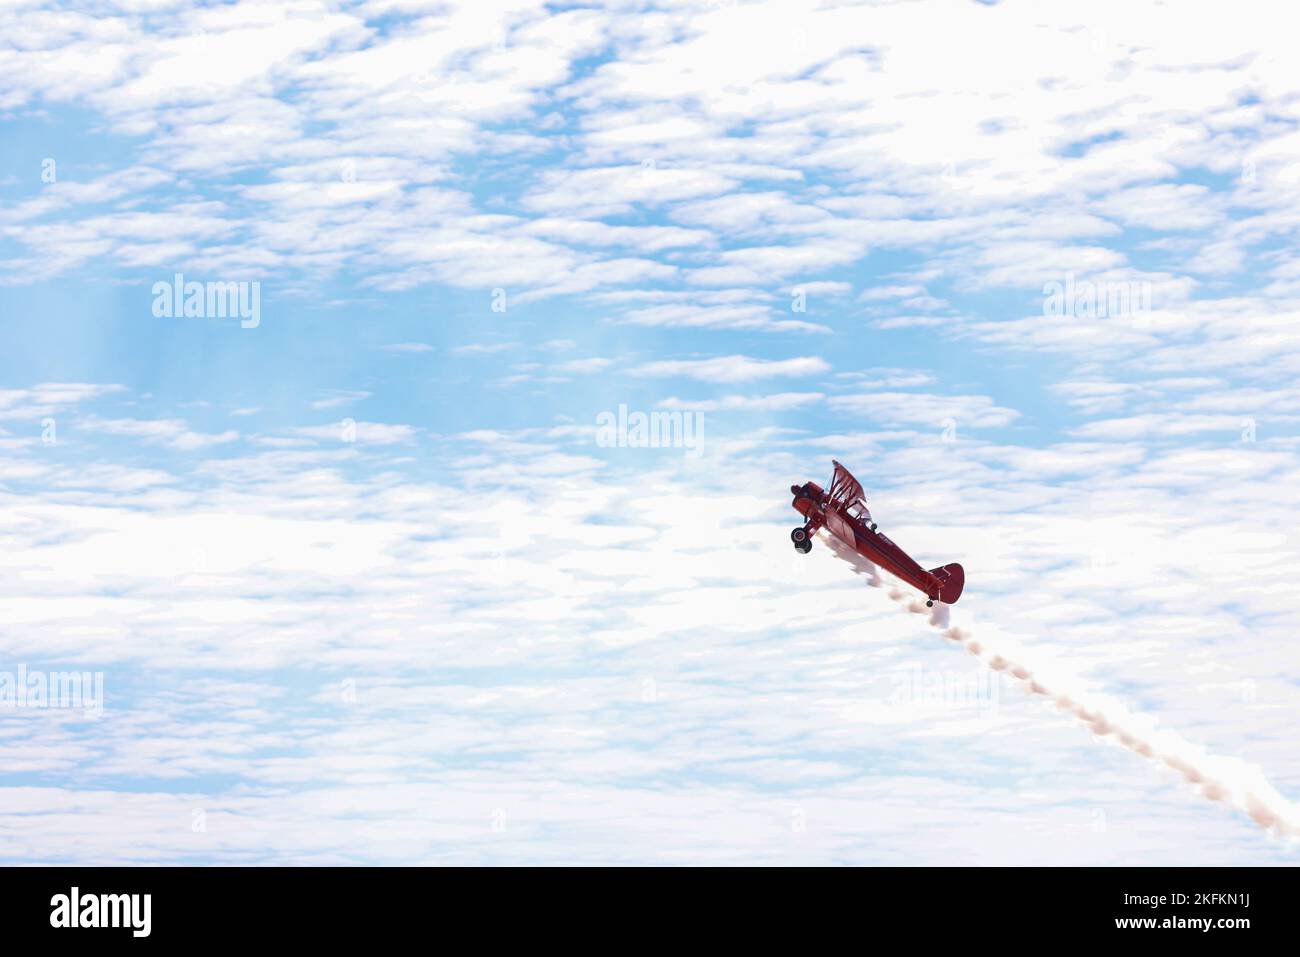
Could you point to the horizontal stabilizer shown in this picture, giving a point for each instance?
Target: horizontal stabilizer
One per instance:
(952, 580)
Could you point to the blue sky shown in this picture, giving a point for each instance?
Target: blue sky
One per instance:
(366, 586)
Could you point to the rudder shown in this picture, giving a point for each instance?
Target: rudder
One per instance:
(952, 580)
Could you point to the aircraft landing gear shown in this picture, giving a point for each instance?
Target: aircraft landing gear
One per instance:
(805, 546)
(799, 534)
(929, 603)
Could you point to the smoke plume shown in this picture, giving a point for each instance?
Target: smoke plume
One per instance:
(1228, 781)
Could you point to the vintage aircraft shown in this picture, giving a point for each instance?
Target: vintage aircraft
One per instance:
(843, 512)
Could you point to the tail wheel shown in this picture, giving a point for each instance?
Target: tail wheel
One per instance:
(929, 603)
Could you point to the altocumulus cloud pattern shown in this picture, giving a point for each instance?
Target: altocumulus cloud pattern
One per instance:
(399, 399)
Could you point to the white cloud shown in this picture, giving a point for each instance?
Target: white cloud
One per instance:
(49, 397)
(1168, 424)
(341, 399)
(775, 402)
(172, 433)
(360, 432)
(925, 409)
(571, 557)
(732, 368)
(584, 366)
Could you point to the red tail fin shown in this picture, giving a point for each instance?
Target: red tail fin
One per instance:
(953, 580)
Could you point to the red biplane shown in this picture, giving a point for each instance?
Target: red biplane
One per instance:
(843, 512)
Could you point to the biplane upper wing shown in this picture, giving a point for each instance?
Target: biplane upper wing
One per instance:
(845, 489)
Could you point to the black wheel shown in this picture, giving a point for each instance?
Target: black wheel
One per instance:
(874, 526)
(799, 535)
(805, 546)
(929, 603)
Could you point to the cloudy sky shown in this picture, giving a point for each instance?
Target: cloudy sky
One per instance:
(364, 578)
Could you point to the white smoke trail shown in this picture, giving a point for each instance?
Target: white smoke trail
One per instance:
(1229, 781)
